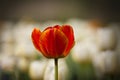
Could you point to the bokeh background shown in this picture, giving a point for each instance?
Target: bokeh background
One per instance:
(95, 56)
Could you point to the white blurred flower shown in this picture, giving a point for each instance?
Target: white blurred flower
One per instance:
(62, 70)
(23, 64)
(106, 38)
(92, 47)
(22, 32)
(24, 50)
(84, 50)
(37, 69)
(116, 28)
(22, 35)
(7, 48)
(6, 34)
(105, 62)
(80, 53)
(7, 63)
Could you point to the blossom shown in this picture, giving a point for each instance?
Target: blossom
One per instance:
(54, 42)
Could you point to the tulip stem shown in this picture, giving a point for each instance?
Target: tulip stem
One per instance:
(56, 68)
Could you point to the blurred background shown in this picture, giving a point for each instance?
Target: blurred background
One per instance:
(95, 56)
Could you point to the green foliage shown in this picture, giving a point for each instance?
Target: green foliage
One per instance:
(78, 71)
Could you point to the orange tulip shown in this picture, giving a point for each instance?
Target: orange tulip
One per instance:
(54, 42)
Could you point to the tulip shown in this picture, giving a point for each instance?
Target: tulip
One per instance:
(54, 42)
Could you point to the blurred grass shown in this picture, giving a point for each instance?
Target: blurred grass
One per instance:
(86, 71)
(80, 71)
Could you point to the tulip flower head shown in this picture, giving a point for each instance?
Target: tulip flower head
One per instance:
(54, 42)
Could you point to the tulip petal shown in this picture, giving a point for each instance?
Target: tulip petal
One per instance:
(61, 42)
(53, 43)
(45, 41)
(68, 31)
(36, 33)
(57, 26)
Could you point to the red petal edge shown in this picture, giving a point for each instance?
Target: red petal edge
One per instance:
(68, 31)
(36, 33)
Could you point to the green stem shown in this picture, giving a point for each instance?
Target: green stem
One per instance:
(56, 68)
